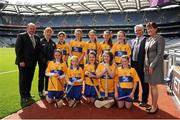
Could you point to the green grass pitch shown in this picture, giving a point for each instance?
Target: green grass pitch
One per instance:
(9, 83)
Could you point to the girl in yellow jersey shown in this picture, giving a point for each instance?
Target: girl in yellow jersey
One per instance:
(105, 72)
(126, 82)
(56, 71)
(92, 44)
(75, 77)
(63, 46)
(120, 48)
(77, 47)
(106, 45)
(90, 77)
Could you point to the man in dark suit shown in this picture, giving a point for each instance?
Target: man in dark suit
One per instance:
(137, 61)
(27, 49)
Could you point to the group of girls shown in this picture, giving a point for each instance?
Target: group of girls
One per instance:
(96, 70)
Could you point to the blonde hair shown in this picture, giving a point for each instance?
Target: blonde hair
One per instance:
(61, 33)
(74, 58)
(48, 28)
(78, 30)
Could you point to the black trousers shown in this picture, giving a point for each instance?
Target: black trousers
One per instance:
(25, 80)
(145, 86)
(43, 79)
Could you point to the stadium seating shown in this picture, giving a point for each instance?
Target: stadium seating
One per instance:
(168, 21)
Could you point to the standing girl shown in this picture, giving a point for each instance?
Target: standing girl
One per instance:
(90, 77)
(105, 72)
(126, 82)
(120, 48)
(106, 45)
(75, 76)
(56, 71)
(92, 44)
(63, 46)
(77, 47)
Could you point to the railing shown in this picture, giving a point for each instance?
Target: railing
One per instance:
(172, 73)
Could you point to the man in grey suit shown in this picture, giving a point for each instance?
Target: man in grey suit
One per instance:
(27, 50)
(137, 61)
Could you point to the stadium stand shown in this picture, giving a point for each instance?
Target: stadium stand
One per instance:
(168, 21)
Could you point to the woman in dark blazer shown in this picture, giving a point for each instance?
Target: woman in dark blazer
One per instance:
(154, 50)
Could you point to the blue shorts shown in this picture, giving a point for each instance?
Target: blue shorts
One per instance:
(90, 91)
(55, 94)
(75, 92)
(110, 94)
(124, 92)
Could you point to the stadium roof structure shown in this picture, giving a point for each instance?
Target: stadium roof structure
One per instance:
(79, 7)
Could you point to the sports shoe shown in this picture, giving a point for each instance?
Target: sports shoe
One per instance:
(59, 104)
(71, 103)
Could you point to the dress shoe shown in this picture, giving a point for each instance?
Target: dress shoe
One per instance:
(24, 100)
(30, 97)
(143, 104)
(41, 95)
(153, 110)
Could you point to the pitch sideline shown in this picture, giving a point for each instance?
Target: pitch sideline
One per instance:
(8, 72)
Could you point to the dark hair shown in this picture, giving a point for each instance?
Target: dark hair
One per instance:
(152, 24)
(110, 55)
(125, 56)
(93, 53)
(110, 40)
(59, 51)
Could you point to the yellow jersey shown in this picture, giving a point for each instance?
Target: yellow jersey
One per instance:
(92, 47)
(103, 47)
(120, 49)
(126, 77)
(90, 68)
(65, 50)
(54, 83)
(110, 81)
(73, 75)
(77, 48)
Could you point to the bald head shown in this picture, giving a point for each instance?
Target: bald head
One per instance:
(31, 28)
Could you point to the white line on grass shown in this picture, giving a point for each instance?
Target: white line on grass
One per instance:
(8, 72)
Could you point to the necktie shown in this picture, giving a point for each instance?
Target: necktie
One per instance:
(33, 41)
(137, 40)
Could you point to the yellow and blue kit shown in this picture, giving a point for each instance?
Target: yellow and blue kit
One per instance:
(103, 47)
(72, 76)
(92, 47)
(120, 49)
(77, 48)
(89, 88)
(110, 81)
(125, 79)
(65, 50)
(55, 85)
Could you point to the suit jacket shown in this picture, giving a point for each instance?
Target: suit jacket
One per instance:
(141, 55)
(25, 52)
(154, 52)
